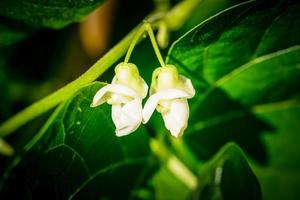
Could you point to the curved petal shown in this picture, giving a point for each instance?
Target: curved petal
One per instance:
(177, 118)
(162, 95)
(114, 80)
(127, 118)
(149, 107)
(118, 99)
(174, 93)
(101, 96)
(187, 86)
(105, 93)
(144, 89)
(143, 86)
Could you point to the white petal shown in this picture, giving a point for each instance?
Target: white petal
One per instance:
(187, 86)
(149, 108)
(169, 94)
(145, 89)
(153, 100)
(144, 86)
(127, 118)
(114, 80)
(177, 118)
(101, 96)
(118, 99)
(105, 92)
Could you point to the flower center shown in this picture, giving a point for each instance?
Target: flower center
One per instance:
(167, 77)
(163, 106)
(128, 74)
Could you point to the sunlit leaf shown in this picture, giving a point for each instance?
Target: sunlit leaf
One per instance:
(244, 63)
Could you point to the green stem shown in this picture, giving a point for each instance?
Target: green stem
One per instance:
(180, 11)
(184, 154)
(174, 165)
(145, 27)
(154, 44)
(136, 38)
(91, 74)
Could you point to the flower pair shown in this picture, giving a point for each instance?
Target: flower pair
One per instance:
(169, 92)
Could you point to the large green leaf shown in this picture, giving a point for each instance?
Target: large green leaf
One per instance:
(234, 37)
(281, 178)
(47, 13)
(77, 155)
(244, 63)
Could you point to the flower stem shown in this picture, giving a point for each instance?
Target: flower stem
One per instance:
(154, 44)
(145, 27)
(174, 165)
(136, 38)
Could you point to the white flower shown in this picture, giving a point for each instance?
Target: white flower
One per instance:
(125, 94)
(169, 93)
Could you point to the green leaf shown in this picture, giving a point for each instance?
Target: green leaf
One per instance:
(244, 63)
(233, 38)
(204, 10)
(227, 112)
(228, 176)
(77, 155)
(47, 13)
(282, 174)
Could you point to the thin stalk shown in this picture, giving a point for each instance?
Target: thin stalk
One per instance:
(154, 44)
(174, 165)
(135, 40)
(145, 27)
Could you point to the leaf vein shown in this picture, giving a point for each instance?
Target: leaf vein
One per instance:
(106, 169)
